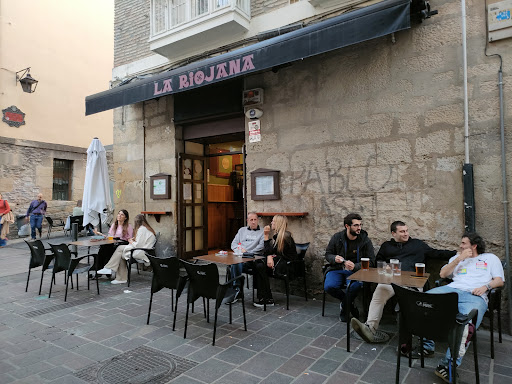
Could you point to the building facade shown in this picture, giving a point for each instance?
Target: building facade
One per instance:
(44, 135)
(362, 111)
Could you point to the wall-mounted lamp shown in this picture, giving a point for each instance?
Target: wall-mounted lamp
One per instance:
(26, 80)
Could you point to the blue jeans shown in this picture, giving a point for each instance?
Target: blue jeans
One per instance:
(467, 302)
(336, 280)
(36, 221)
(2, 242)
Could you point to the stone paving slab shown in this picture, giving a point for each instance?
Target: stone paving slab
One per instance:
(44, 340)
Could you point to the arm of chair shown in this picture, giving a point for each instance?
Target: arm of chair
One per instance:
(230, 282)
(464, 319)
(76, 260)
(442, 281)
(141, 249)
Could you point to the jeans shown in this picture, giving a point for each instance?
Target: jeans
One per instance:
(36, 221)
(2, 241)
(467, 302)
(336, 280)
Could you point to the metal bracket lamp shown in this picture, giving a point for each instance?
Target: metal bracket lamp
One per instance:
(26, 80)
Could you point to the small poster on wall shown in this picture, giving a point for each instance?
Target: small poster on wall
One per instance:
(254, 131)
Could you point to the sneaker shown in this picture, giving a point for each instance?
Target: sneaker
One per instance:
(443, 372)
(416, 353)
(234, 298)
(118, 282)
(367, 334)
(104, 271)
(262, 302)
(342, 313)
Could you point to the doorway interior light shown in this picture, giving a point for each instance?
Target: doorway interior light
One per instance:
(26, 80)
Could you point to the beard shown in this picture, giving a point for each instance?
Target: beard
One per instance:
(354, 233)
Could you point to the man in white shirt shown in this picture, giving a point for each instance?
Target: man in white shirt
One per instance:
(250, 239)
(474, 274)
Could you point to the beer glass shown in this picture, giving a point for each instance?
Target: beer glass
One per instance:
(365, 263)
(420, 269)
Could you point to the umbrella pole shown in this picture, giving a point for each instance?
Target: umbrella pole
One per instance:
(100, 223)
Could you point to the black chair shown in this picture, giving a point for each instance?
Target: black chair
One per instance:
(39, 258)
(294, 269)
(71, 266)
(494, 305)
(150, 251)
(435, 317)
(166, 274)
(54, 224)
(76, 220)
(204, 282)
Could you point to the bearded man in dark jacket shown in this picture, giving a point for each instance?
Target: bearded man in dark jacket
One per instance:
(408, 251)
(344, 254)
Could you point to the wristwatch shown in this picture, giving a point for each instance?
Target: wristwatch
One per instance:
(488, 287)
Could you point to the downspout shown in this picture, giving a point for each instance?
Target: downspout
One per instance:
(467, 168)
(505, 202)
(503, 179)
(143, 158)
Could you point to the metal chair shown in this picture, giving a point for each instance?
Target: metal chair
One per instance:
(52, 224)
(149, 251)
(166, 274)
(39, 258)
(71, 266)
(204, 282)
(435, 317)
(493, 306)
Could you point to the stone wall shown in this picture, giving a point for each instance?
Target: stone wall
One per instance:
(131, 31)
(154, 118)
(376, 128)
(26, 169)
(259, 7)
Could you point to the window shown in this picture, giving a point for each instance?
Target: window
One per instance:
(62, 170)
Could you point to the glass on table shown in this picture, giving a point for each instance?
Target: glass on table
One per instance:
(420, 269)
(365, 263)
(397, 268)
(381, 267)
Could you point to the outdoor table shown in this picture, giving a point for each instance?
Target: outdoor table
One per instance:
(227, 260)
(406, 279)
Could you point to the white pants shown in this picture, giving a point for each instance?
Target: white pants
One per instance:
(380, 297)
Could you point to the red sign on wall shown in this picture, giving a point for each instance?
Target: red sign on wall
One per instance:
(13, 116)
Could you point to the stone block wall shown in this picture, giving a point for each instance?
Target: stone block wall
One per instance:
(154, 119)
(131, 31)
(259, 7)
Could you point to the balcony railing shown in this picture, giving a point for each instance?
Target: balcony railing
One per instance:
(169, 14)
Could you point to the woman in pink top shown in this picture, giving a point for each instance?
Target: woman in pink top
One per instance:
(121, 229)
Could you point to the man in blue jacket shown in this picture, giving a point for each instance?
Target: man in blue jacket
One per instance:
(344, 254)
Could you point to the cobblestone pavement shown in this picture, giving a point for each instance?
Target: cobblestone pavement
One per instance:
(104, 339)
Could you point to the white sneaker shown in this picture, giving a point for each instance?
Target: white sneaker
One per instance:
(118, 282)
(104, 271)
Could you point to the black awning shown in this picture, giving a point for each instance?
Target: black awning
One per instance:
(350, 28)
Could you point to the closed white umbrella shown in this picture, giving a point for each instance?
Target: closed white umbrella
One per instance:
(96, 201)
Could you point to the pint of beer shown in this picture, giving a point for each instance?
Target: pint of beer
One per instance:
(420, 269)
(365, 263)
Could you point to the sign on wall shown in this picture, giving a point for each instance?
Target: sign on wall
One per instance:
(13, 116)
(254, 131)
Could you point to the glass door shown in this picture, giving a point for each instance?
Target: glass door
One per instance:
(193, 206)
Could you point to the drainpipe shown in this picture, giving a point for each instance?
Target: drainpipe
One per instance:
(467, 168)
(505, 202)
(143, 157)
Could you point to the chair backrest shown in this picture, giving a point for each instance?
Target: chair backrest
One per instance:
(302, 248)
(204, 280)
(78, 220)
(62, 257)
(37, 253)
(429, 315)
(166, 272)
(49, 220)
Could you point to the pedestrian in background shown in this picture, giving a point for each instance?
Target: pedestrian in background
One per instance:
(4, 220)
(36, 211)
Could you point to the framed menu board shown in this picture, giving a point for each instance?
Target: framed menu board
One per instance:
(160, 186)
(265, 184)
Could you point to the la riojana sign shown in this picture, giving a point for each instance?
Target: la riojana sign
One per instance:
(207, 74)
(13, 116)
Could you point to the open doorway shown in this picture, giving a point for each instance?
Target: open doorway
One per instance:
(226, 191)
(211, 193)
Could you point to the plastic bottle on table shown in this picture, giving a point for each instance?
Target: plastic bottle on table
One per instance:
(238, 251)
